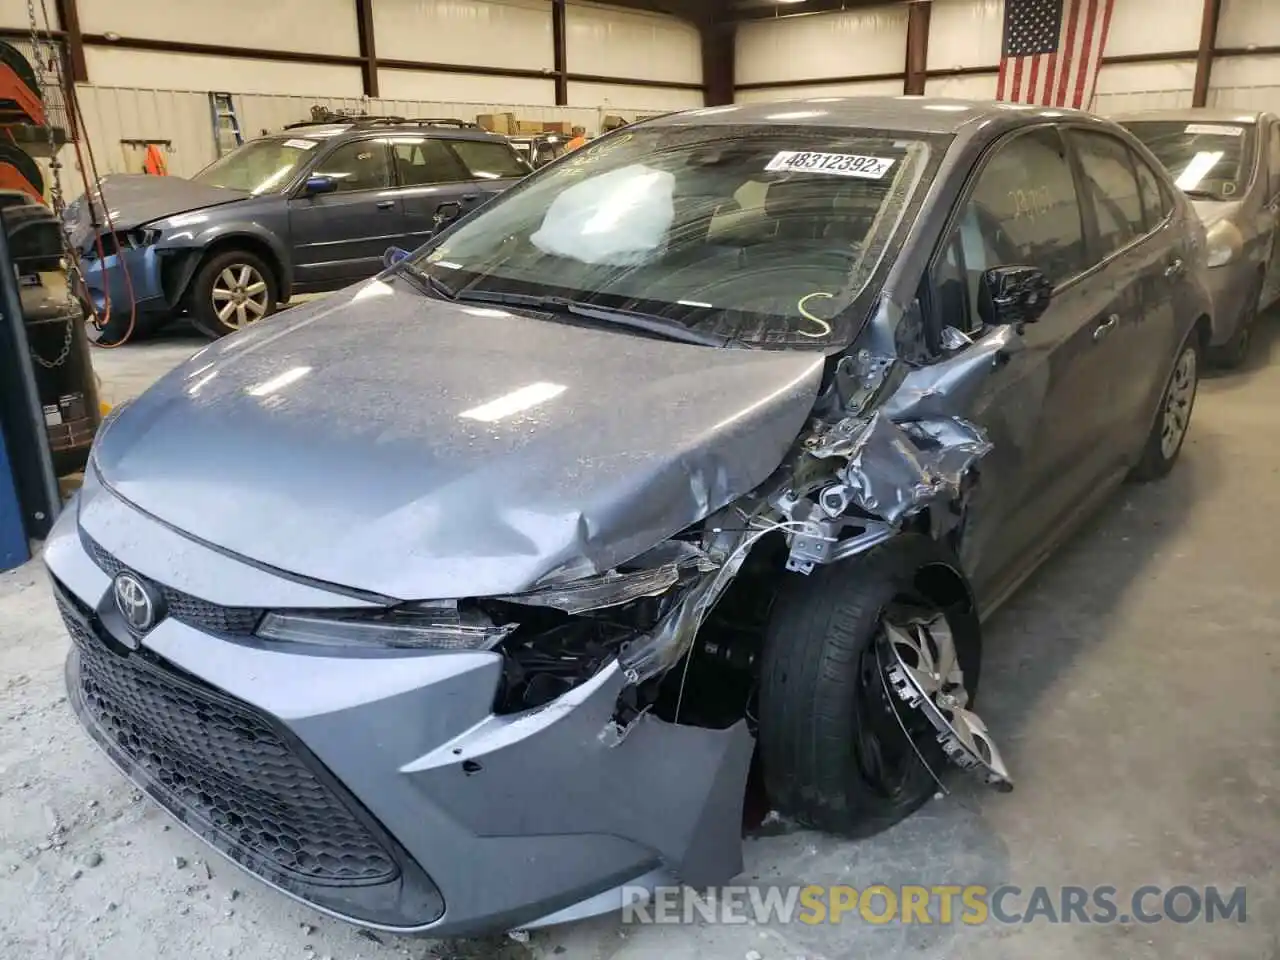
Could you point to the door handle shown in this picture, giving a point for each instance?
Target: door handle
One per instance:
(1173, 269)
(1105, 326)
(386, 204)
(468, 197)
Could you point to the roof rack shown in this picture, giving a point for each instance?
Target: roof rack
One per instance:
(389, 121)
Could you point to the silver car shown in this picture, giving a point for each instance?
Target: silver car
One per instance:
(1228, 163)
(473, 594)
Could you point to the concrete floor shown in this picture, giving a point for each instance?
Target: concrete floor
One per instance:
(1129, 685)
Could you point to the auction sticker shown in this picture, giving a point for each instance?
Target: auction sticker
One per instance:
(301, 144)
(1214, 129)
(838, 164)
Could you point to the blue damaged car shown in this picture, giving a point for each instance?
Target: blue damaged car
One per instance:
(304, 211)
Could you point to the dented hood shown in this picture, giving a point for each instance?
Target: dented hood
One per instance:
(420, 449)
(134, 199)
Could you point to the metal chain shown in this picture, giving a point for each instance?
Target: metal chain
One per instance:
(55, 168)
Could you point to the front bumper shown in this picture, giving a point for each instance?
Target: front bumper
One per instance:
(427, 812)
(108, 286)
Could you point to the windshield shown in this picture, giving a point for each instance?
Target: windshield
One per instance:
(760, 234)
(260, 166)
(1206, 159)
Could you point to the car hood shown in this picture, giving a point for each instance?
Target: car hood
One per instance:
(134, 199)
(1212, 211)
(391, 442)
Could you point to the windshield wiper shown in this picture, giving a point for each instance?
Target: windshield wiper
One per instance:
(436, 284)
(647, 322)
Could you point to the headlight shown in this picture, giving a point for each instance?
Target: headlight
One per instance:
(1225, 243)
(425, 626)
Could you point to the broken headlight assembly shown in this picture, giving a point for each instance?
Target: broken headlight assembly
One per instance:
(568, 632)
(426, 626)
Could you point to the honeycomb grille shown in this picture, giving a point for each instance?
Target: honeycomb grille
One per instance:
(217, 762)
(194, 612)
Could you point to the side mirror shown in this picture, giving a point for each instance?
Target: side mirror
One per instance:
(1012, 296)
(393, 255)
(320, 184)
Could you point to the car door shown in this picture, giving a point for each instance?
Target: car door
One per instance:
(1143, 267)
(435, 187)
(339, 237)
(1044, 404)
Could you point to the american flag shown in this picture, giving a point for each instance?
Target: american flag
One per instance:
(1051, 51)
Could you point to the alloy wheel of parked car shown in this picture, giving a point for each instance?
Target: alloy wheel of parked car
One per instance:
(239, 295)
(232, 291)
(839, 751)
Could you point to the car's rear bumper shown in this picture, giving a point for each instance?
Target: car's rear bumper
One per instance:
(381, 789)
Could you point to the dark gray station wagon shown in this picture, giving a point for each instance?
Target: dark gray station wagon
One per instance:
(469, 596)
(307, 210)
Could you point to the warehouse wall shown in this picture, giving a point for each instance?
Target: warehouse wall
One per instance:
(1247, 82)
(852, 45)
(602, 43)
(863, 52)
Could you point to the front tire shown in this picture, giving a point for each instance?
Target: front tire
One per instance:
(1173, 418)
(839, 752)
(231, 291)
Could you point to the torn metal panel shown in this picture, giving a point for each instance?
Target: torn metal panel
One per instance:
(893, 471)
(671, 637)
(946, 388)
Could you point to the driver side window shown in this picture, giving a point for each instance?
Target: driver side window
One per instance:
(1022, 211)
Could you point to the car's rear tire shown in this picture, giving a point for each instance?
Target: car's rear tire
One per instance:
(1173, 416)
(833, 742)
(1233, 354)
(232, 290)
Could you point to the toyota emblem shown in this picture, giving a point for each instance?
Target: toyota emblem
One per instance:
(136, 602)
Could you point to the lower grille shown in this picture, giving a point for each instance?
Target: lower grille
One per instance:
(245, 785)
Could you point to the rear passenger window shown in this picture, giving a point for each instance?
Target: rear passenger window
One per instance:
(490, 160)
(1155, 202)
(1107, 166)
(422, 161)
(1023, 212)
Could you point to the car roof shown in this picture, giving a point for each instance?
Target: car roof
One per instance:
(906, 114)
(1191, 114)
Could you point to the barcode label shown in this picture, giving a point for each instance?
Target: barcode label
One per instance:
(837, 164)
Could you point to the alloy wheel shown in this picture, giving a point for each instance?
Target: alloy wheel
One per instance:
(239, 296)
(1177, 404)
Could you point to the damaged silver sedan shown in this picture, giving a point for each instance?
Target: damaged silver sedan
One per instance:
(465, 597)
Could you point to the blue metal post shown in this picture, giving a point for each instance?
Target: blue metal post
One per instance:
(13, 536)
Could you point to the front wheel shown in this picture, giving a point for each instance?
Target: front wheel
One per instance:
(231, 291)
(839, 751)
(1173, 418)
